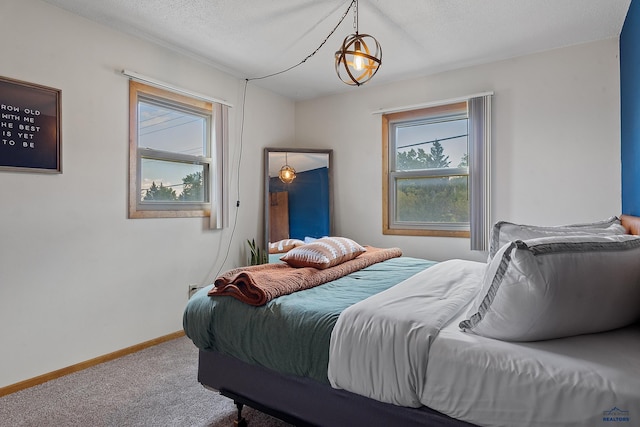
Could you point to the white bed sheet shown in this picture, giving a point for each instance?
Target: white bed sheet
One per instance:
(588, 380)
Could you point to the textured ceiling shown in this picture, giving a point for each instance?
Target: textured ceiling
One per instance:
(253, 38)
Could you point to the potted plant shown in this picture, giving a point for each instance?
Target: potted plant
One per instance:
(257, 255)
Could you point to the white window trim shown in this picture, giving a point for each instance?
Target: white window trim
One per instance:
(430, 104)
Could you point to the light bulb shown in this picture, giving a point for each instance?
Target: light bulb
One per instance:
(287, 174)
(358, 59)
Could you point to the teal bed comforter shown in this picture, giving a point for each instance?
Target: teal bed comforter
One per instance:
(291, 333)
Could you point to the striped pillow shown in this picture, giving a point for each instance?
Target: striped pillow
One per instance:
(323, 253)
(284, 245)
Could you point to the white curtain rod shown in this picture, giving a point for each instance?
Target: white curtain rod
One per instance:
(430, 104)
(141, 78)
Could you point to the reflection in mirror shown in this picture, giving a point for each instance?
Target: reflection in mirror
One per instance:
(298, 207)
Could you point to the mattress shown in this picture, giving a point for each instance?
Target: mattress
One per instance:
(587, 380)
(297, 326)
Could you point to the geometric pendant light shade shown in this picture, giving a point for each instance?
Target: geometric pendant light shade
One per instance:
(359, 57)
(287, 173)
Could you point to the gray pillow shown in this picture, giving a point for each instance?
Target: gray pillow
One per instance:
(504, 232)
(555, 287)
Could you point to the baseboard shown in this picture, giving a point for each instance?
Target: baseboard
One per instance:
(12, 388)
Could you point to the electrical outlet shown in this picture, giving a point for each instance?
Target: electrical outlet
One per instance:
(193, 289)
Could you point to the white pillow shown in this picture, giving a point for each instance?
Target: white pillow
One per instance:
(556, 287)
(504, 232)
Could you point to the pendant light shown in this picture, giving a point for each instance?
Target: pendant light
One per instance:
(359, 57)
(287, 173)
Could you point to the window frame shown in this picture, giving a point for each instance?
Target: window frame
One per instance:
(215, 116)
(479, 168)
(435, 114)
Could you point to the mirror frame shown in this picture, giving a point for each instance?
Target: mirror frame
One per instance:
(269, 150)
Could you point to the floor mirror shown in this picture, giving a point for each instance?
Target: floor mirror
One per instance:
(298, 189)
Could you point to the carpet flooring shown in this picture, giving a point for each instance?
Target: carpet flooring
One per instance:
(153, 387)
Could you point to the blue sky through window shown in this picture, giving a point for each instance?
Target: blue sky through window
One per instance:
(171, 130)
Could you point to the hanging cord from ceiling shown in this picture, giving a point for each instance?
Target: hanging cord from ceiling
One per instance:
(344, 15)
(244, 98)
(235, 219)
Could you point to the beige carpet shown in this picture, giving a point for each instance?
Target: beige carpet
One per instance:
(154, 387)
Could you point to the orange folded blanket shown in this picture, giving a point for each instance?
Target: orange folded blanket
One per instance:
(259, 284)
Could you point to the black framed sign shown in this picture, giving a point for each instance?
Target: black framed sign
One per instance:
(29, 127)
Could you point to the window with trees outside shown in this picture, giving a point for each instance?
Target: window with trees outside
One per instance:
(436, 161)
(175, 154)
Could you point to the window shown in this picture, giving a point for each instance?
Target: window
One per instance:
(436, 171)
(175, 154)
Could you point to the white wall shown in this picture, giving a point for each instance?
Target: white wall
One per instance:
(77, 278)
(555, 152)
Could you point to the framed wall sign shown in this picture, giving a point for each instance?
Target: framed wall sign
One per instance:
(29, 127)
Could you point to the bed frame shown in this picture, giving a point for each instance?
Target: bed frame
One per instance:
(305, 402)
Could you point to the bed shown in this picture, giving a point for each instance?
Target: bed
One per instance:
(314, 357)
